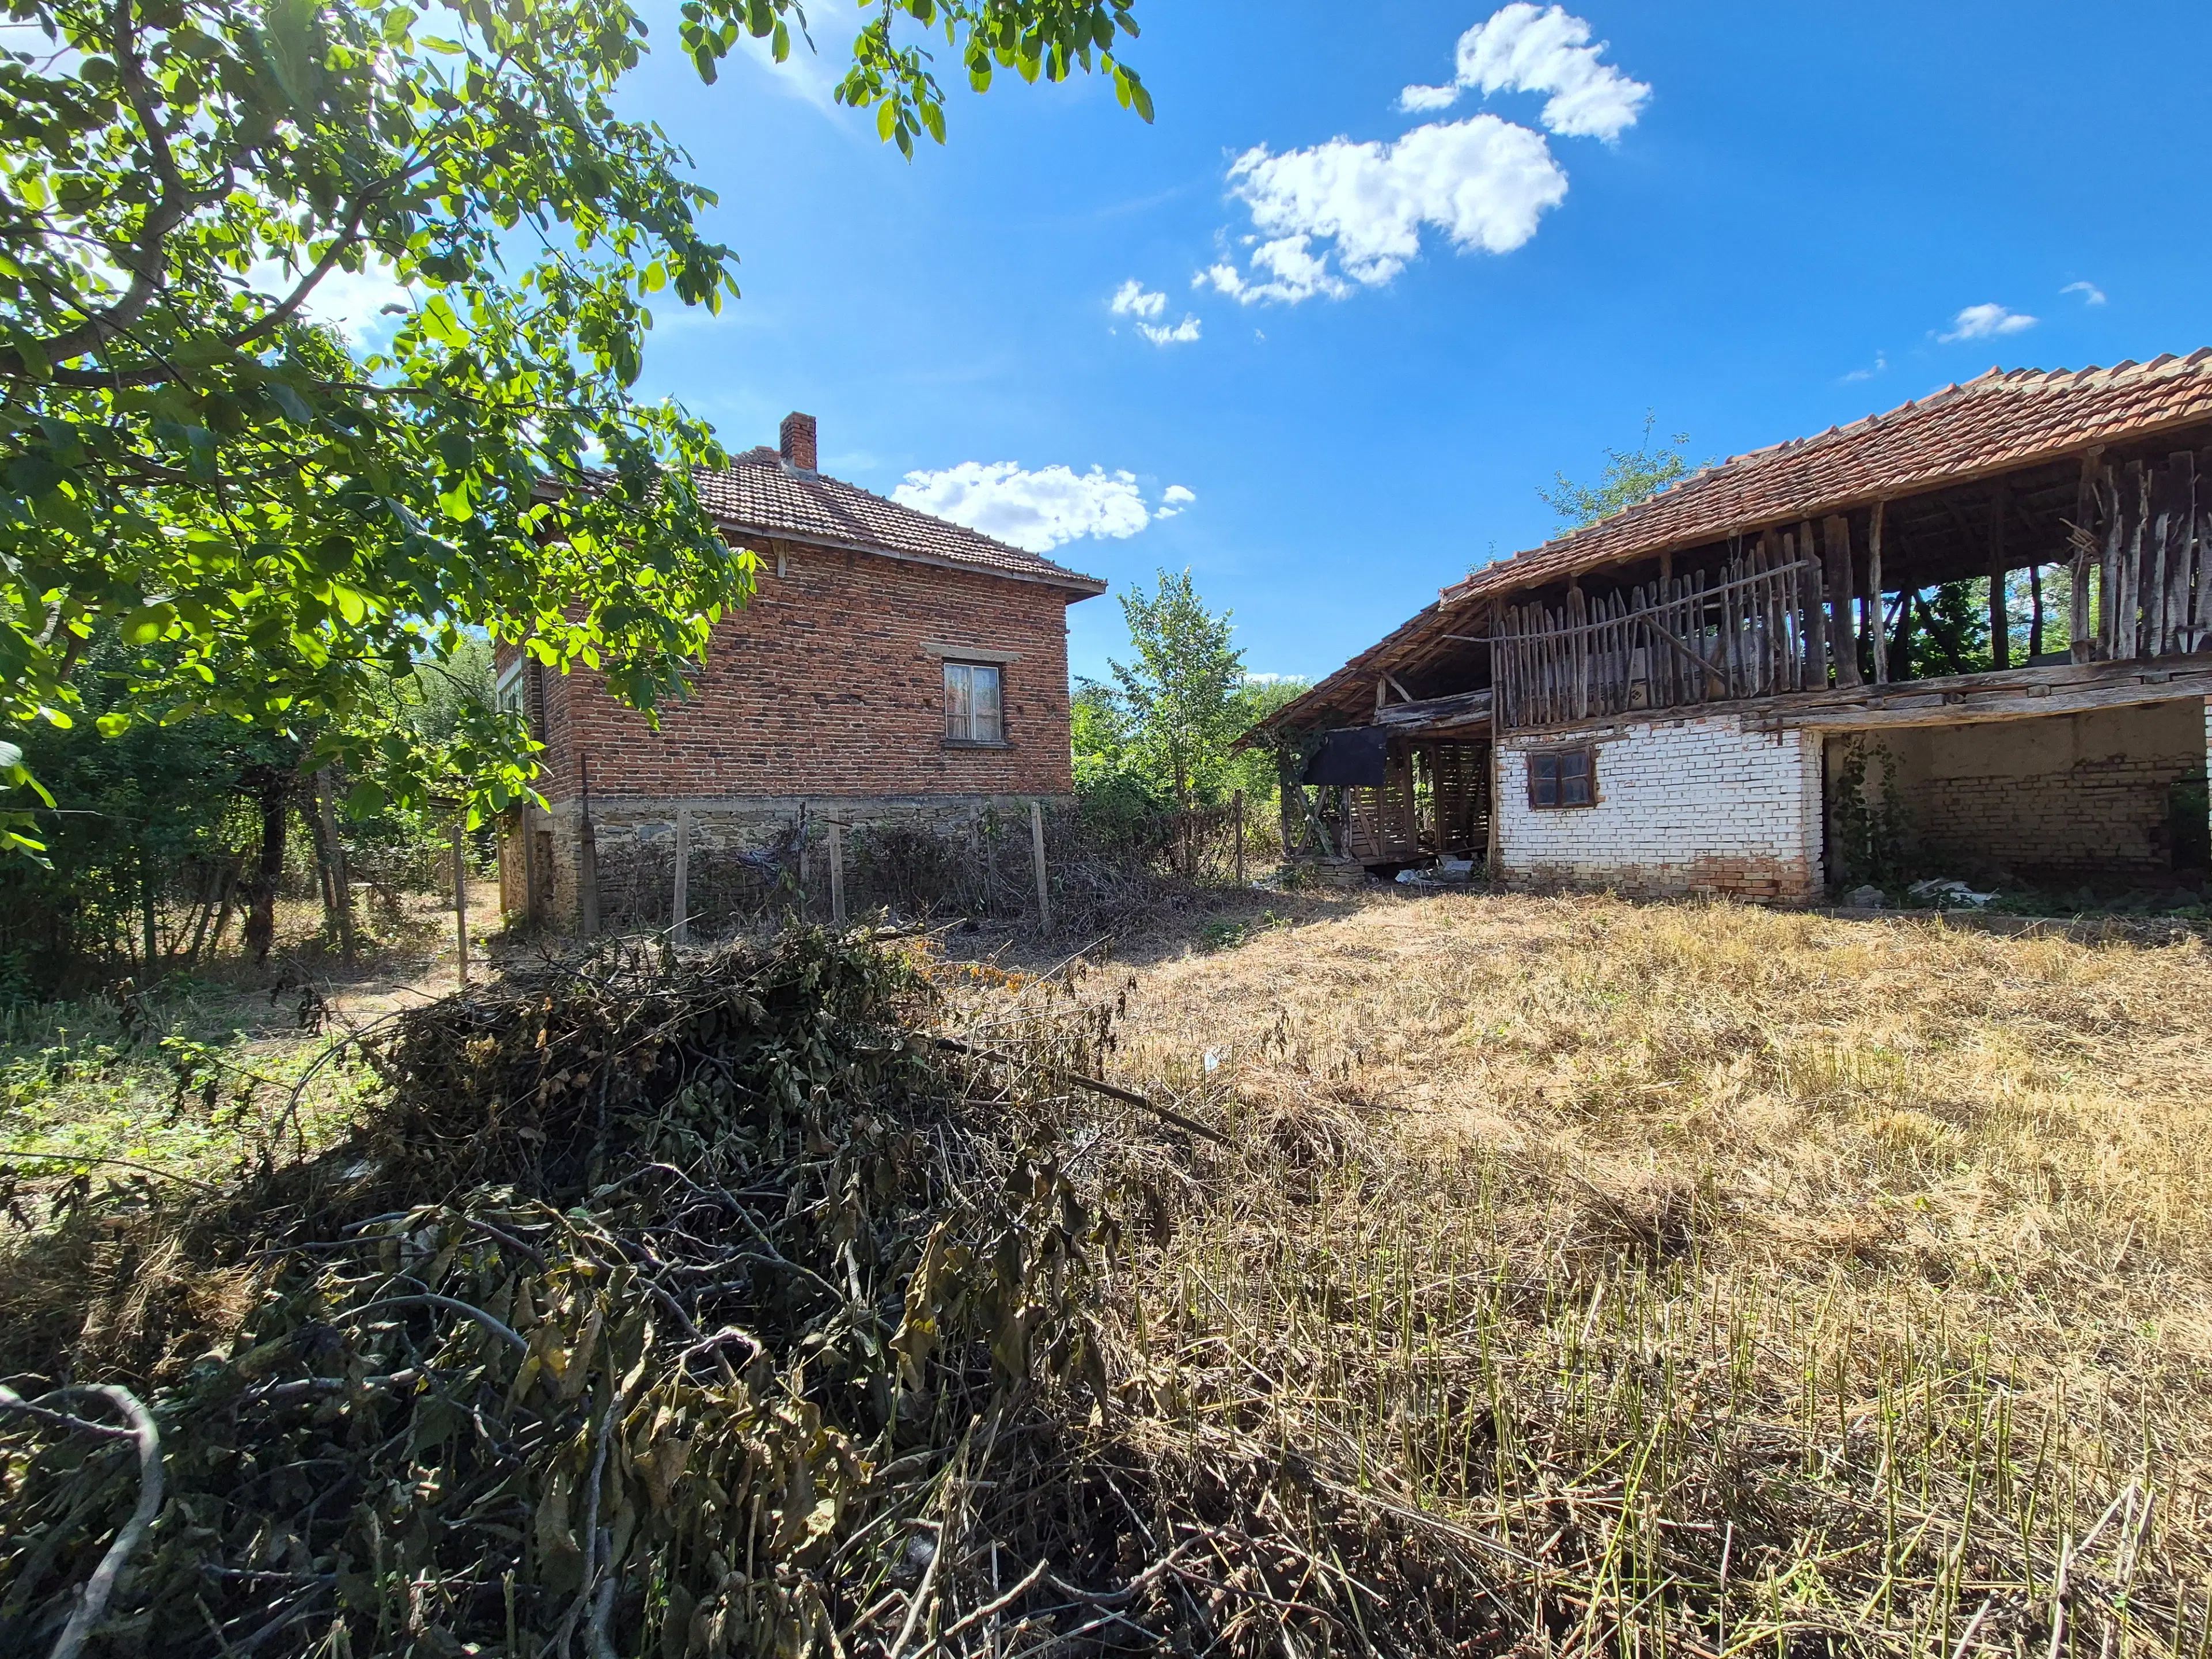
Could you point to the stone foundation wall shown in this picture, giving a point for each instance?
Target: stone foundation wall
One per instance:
(1690, 807)
(634, 847)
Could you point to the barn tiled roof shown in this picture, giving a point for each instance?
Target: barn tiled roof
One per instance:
(758, 492)
(1999, 421)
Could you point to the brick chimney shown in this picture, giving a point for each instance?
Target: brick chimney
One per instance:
(795, 440)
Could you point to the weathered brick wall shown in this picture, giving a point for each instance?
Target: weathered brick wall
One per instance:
(821, 687)
(1684, 806)
(2070, 794)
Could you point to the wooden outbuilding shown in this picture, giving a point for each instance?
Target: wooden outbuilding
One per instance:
(1687, 697)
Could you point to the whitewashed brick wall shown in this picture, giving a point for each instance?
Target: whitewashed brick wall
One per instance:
(1684, 806)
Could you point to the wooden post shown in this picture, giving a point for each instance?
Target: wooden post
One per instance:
(681, 932)
(1878, 623)
(2000, 615)
(587, 860)
(1816, 610)
(1494, 846)
(2080, 644)
(1842, 632)
(1036, 852)
(461, 895)
(1239, 815)
(802, 860)
(836, 872)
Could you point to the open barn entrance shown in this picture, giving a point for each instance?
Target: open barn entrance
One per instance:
(1391, 800)
(2112, 799)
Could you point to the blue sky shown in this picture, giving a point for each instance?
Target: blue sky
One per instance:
(1777, 234)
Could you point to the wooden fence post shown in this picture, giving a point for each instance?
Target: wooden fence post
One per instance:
(1239, 816)
(587, 860)
(681, 932)
(1037, 851)
(461, 894)
(802, 860)
(836, 872)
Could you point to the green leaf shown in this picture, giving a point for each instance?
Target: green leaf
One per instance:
(146, 625)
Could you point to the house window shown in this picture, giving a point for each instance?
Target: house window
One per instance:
(971, 703)
(509, 695)
(1562, 777)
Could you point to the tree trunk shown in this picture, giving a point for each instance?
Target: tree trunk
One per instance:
(271, 790)
(338, 879)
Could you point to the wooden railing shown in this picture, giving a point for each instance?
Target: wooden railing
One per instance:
(1758, 631)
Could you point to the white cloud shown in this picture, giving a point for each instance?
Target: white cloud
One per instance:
(1483, 182)
(1130, 300)
(353, 301)
(1421, 100)
(1133, 300)
(1345, 214)
(1037, 510)
(1527, 48)
(1182, 333)
(1984, 322)
(1880, 364)
(2090, 293)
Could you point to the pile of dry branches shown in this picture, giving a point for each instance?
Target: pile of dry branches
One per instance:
(650, 1310)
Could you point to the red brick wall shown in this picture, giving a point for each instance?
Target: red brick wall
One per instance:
(821, 687)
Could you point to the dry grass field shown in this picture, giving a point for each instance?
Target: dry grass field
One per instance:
(1709, 1279)
(1455, 1274)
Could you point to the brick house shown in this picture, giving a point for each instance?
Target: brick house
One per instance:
(890, 666)
(1710, 691)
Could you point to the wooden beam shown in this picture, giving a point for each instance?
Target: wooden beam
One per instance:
(2049, 699)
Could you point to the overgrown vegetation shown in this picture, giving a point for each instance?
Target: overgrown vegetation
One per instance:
(1873, 827)
(169, 847)
(1162, 738)
(272, 520)
(1485, 1274)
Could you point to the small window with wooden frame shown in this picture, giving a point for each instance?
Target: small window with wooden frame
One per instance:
(974, 706)
(1563, 777)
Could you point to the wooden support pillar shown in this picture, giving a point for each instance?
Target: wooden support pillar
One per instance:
(680, 932)
(1799, 548)
(461, 895)
(1842, 629)
(2000, 615)
(2081, 642)
(1237, 803)
(1877, 624)
(1036, 855)
(836, 872)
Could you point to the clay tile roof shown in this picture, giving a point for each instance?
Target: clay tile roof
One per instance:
(2001, 420)
(758, 493)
